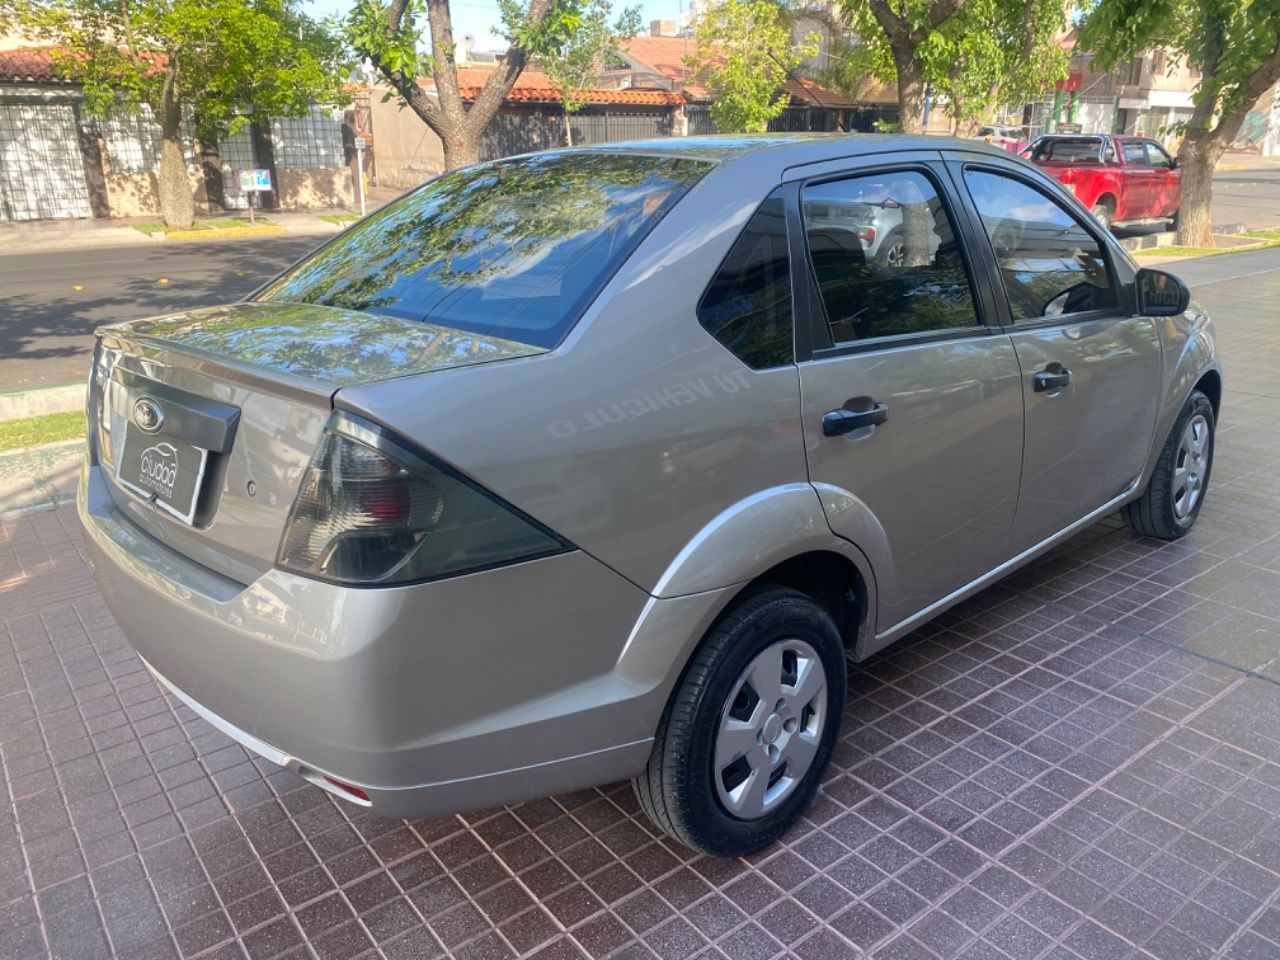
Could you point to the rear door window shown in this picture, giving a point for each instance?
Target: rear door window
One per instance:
(1135, 154)
(1087, 150)
(884, 253)
(515, 249)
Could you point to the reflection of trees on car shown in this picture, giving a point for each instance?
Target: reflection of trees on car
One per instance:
(511, 248)
(310, 341)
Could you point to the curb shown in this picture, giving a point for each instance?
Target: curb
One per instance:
(227, 232)
(24, 404)
(1230, 232)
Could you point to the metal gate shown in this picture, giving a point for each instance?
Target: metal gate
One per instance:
(543, 129)
(41, 169)
(236, 153)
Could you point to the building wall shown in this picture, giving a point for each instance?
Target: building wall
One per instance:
(315, 189)
(137, 194)
(56, 162)
(405, 150)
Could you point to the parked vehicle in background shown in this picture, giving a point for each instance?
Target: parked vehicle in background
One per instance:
(1120, 179)
(598, 464)
(1004, 137)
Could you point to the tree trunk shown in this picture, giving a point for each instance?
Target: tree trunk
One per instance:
(460, 150)
(568, 130)
(910, 93)
(1197, 158)
(177, 208)
(459, 126)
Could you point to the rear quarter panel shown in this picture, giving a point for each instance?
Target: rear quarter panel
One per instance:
(639, 429)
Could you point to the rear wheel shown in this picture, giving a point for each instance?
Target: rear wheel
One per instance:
(893, 252)
(1169, 506)
(1104, 212)
(749, 730)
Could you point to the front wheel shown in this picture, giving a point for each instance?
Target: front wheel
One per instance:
(750, 728)
(1169, 506)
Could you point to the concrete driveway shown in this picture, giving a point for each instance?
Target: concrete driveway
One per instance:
(1082, 762)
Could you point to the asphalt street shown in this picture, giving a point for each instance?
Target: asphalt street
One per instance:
(50, 302)
(1247, 191)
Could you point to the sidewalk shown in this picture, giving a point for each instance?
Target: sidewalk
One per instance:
(43, 235)
(38, 478)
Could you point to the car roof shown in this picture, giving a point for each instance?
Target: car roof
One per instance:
(792, 149)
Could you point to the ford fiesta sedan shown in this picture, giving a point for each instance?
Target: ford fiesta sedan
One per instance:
(598, 463)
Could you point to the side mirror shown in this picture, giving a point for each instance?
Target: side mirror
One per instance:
(1161, 294)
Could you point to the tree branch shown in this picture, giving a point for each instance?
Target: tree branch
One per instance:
(407, 86)
(942, 11)
(894, 26)
(444, 67)
(504, 76)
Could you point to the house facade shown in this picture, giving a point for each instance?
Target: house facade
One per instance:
(59, 162)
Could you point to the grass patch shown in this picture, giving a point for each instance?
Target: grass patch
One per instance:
(1266, 238)
(340, 217)
(1185, 251)
(36, 431)
(150, 227)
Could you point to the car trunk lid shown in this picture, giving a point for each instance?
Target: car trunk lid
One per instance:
(205, 421)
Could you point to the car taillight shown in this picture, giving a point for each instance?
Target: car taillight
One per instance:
(867, 234)
(98, 415)
(373, 510)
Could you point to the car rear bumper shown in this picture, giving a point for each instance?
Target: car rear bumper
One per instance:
(464, 693)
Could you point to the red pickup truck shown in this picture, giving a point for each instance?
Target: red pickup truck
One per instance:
(1121, 179)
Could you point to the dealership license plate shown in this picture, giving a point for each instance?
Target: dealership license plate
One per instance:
(165, 471)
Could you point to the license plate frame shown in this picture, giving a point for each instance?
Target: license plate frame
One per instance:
(165, 472)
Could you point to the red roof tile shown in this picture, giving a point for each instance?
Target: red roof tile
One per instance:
(533, 86)
(666, 56)
(39, 64)
(29, 64)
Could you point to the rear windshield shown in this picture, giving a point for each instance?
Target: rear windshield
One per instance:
(515, 249)
(1085, 150)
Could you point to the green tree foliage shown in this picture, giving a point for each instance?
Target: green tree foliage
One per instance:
(972, 53)
(898, 39)
(1235, 44)
(745, 50)
(227, 62)
(388, 33)
(578, 63)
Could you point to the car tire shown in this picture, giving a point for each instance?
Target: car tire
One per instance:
(715, 713)
(1169, 506)
(1173, 221)
(1104, 213)
(892, 252)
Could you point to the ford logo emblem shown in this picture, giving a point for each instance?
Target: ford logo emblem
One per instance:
(148, 415)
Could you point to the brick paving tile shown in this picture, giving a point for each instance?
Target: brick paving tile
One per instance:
(1081, 762)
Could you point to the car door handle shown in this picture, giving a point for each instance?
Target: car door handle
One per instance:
(837, 423)
(1052, 379)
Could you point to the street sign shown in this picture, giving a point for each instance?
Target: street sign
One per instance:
(252, 181)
